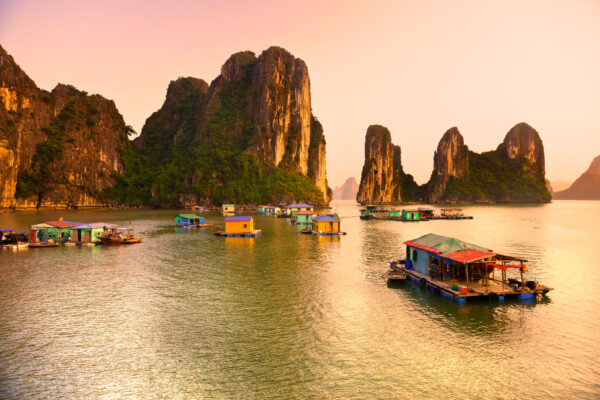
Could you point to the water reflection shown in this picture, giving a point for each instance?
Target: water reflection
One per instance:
(189, 314)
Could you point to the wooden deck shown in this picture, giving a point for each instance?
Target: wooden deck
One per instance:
(494, 288)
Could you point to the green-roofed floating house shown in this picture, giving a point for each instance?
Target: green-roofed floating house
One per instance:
(304, 220)
(410, 215)
(394, 214)
(459, 270)
(51, 233)
(190, 221)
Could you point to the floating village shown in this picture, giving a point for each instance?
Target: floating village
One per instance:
(450, 267)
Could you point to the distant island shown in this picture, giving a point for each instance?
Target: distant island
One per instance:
(586, 187)
(513, 173)
(250, 137)
(347, 191)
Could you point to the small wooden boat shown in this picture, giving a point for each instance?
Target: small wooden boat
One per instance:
(396, 271)
(120, 236)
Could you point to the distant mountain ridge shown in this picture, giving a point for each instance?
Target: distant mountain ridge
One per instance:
(248, 137)
(513, 173)
(347, 191)
(586, 187)
(58, 149)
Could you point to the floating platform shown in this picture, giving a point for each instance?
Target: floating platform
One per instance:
(254, 233)
(44, 244)
(328, 233)
(495, 290)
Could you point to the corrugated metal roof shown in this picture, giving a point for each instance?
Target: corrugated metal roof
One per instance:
(238, 218)
(189, 216)
(306, 213)
(40, 226)
(325, 218)
(62, 224)
(467, 256)
(442, 244)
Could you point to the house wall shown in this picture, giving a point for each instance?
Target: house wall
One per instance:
(421, 264)
(239, 226)
(325, 226)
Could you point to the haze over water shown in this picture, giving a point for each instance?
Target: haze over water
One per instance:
(190, 315)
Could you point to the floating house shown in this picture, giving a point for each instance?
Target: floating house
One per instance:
(304, 219)
(426, 213)
(324, 225)
(268, 210)
(294, 209)
(239, 226)
(411, 215)
(52, 231)
(189, 220)
(90, 233)
(228, 209)
(460, 270)
(394, 214)
(261, 209)
(198, 209)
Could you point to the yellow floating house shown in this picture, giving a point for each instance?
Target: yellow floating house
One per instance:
(324, 225)
(240, 226)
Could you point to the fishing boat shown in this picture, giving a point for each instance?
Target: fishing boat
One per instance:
(452, 213)
(459, 270)
(120, 236)
(12, 240)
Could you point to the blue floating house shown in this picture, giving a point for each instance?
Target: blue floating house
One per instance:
(461, 270)
(188, 220)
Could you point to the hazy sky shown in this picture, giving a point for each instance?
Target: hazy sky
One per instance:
(417, 67)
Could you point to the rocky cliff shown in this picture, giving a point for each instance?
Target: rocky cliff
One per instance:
(450, 160)
(382, 179)
(58, 149)
(248, 137)
(586, 187)
(513, 173)
(347, 191)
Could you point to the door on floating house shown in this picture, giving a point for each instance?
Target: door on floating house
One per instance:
(87, 236)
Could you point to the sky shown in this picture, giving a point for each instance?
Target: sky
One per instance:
(416, 67)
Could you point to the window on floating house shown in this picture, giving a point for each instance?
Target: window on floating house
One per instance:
(245, 225)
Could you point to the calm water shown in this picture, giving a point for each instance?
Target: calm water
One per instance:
(191, 315)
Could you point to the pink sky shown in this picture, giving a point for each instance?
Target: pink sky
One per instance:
(416, 67)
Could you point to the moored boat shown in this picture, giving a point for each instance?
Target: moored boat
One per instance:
(120, 236)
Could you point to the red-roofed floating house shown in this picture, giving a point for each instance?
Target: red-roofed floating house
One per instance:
(460, 270)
